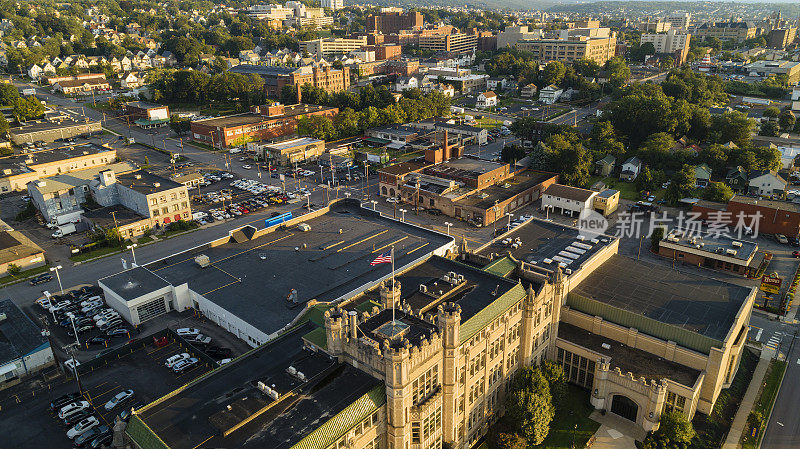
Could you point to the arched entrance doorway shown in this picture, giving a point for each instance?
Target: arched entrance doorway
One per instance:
(624, 407)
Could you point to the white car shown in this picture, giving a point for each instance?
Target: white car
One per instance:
(224, 362)
(92, 300)
(83, 426)
(184, 365)
(173, 360)
(200, 338)
(187, 332)
(72, 408)
(392, 200)
(105, 315)
(119, 398)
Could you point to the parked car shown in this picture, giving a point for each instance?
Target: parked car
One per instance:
(200, 339)
(184, 365)
(86, 438)
(173, 360)
(63, 400)
(82, 427)
(160, 342)
(41, 279)
(117, 332)
(74, 419)
(218, 352)
(796, 254)
(120, 398)
(187, 332)
(97, 341)
(780, 238)
(102, 441)
(794, 241)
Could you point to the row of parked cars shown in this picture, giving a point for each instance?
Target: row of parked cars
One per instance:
(82, 311)
(204, 343)
(212, 177)
(82, 422)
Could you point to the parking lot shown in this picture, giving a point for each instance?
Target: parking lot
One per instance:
(27, 421)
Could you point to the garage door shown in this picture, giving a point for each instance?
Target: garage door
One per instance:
(151, 309)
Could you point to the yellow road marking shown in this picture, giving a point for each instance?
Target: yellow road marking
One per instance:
(220, 288)
(204, 441)
(107, 391)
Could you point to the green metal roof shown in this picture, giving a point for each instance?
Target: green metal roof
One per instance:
(345, 420)
(501, 267)
(142, 435)
(490, 312)
(318, 338)
(144, 122)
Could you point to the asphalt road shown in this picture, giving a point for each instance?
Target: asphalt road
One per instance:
(783, 428)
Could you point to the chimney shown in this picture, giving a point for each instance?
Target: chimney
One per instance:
(446, 147)
(299, 95)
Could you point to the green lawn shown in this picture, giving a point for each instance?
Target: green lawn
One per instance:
(766, 397)
(627, 190)
(91, 254)
(575, 411)
(23, 274)
(488, 123)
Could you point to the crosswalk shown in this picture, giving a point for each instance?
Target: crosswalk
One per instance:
(774, 340)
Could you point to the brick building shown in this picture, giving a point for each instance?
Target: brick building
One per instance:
(393, 22)
(261, 123)
(276, 77)
(774, 216)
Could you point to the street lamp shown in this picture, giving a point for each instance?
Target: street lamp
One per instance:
(403, 211)
(74, 329)
(374, 204)
(448, 224)
(56, 268)
(509, 219)
(133, 254)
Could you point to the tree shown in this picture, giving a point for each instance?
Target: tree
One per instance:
(718, 192)
(316, 126)
(676, 428)
(682, 184)
(618, 71)
(769, 129)
(14, 269)
(179, 126)
(567, 155)
(656, 149)
(553, 73)
(530, 405)
(771, 112)
(733, 127)
(3, 125)
(645, 182)
(787, 120)
(507, 440)
(557, 380)
(511, 153)
(656, 236)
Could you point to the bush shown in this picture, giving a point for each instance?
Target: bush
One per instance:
(14, 269)
(28, 212)
(507, 440)
(181, 225)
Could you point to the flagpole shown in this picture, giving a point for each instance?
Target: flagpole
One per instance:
(393, 290)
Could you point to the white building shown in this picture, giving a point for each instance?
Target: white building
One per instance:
(567, 200)
(550, 94)
(679, 20)
(668, 42)
(766, 183)
(796, 99)
(333, 4)
(513, 34)
(486, 100)
(630, 169)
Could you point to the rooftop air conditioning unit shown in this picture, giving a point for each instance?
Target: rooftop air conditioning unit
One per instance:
(423, 288)
(2, 317)
(138, 176)
(732, 252)
(568, 271)
(202, 260)
(156, 184)
(273, 394)
(291, 370)
(737, 244)
(606, 346)
(548, 260)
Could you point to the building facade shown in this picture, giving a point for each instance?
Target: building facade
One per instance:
(671, 42)
(393, 22)
(276, 77)
(456, 43)
(598, 49)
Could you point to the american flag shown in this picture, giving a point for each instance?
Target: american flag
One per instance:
(382, 258)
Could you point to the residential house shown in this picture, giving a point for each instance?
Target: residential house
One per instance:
(550, 94)
(496, 83)
(568, 200)
(130, 80)
(34, 72)
(630, 169)
(737, 179)
(404, 83)
(529, 91)
(702, 175)
(605, 166)
(486, 100)
(766, 183)
(606, 202)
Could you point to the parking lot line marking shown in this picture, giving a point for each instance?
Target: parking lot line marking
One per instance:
(332, 245)
(362, 240)
(98, 385)
(221, 287)
(758, 334)
(204, 441)
(117, 387)
(390, 244)
(253, 248)
(417, 248)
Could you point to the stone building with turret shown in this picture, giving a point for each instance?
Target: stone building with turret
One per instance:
(422, 359)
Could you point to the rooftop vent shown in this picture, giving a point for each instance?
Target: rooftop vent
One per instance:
(737, 244)
(156, 184)
(202, 260)
(606, 346)
(138, 176)
(2, 317)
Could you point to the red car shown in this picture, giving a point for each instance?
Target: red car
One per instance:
(796, 254)
(160, 342)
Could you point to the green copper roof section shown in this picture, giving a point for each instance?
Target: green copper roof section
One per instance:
(318, 338)
(490, 312)
(345, 420)
(142, 435)
(501, 267)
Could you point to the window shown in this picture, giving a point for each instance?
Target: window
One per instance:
(675, 402)
(425, 385)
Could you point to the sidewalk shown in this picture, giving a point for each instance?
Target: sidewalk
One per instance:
(750, 396)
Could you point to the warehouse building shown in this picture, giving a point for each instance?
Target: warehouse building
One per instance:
(46, 130)
(17, 171)
(23, 348)
(17, 249)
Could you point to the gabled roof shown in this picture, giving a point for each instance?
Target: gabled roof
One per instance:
(758, 173)
(633, 160)
(608, 159)
(489, 94)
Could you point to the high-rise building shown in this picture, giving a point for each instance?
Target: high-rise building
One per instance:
(513, 34)
(456, 42)
(671, 42)
(393, 22)
(590, 44)
(724, 31)
(680, 21)
(781, 38)
(333, 4)
(332, 45)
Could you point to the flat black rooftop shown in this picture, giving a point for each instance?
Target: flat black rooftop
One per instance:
(122, 216)
(628, 359)
(45, 125)
(381, 327)
(200, 414)
(478, 289)
(696, 303)
(19, 336)
(146, 183)
(250, 118)
(520, 182)
(321, 264)
(543, 240)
